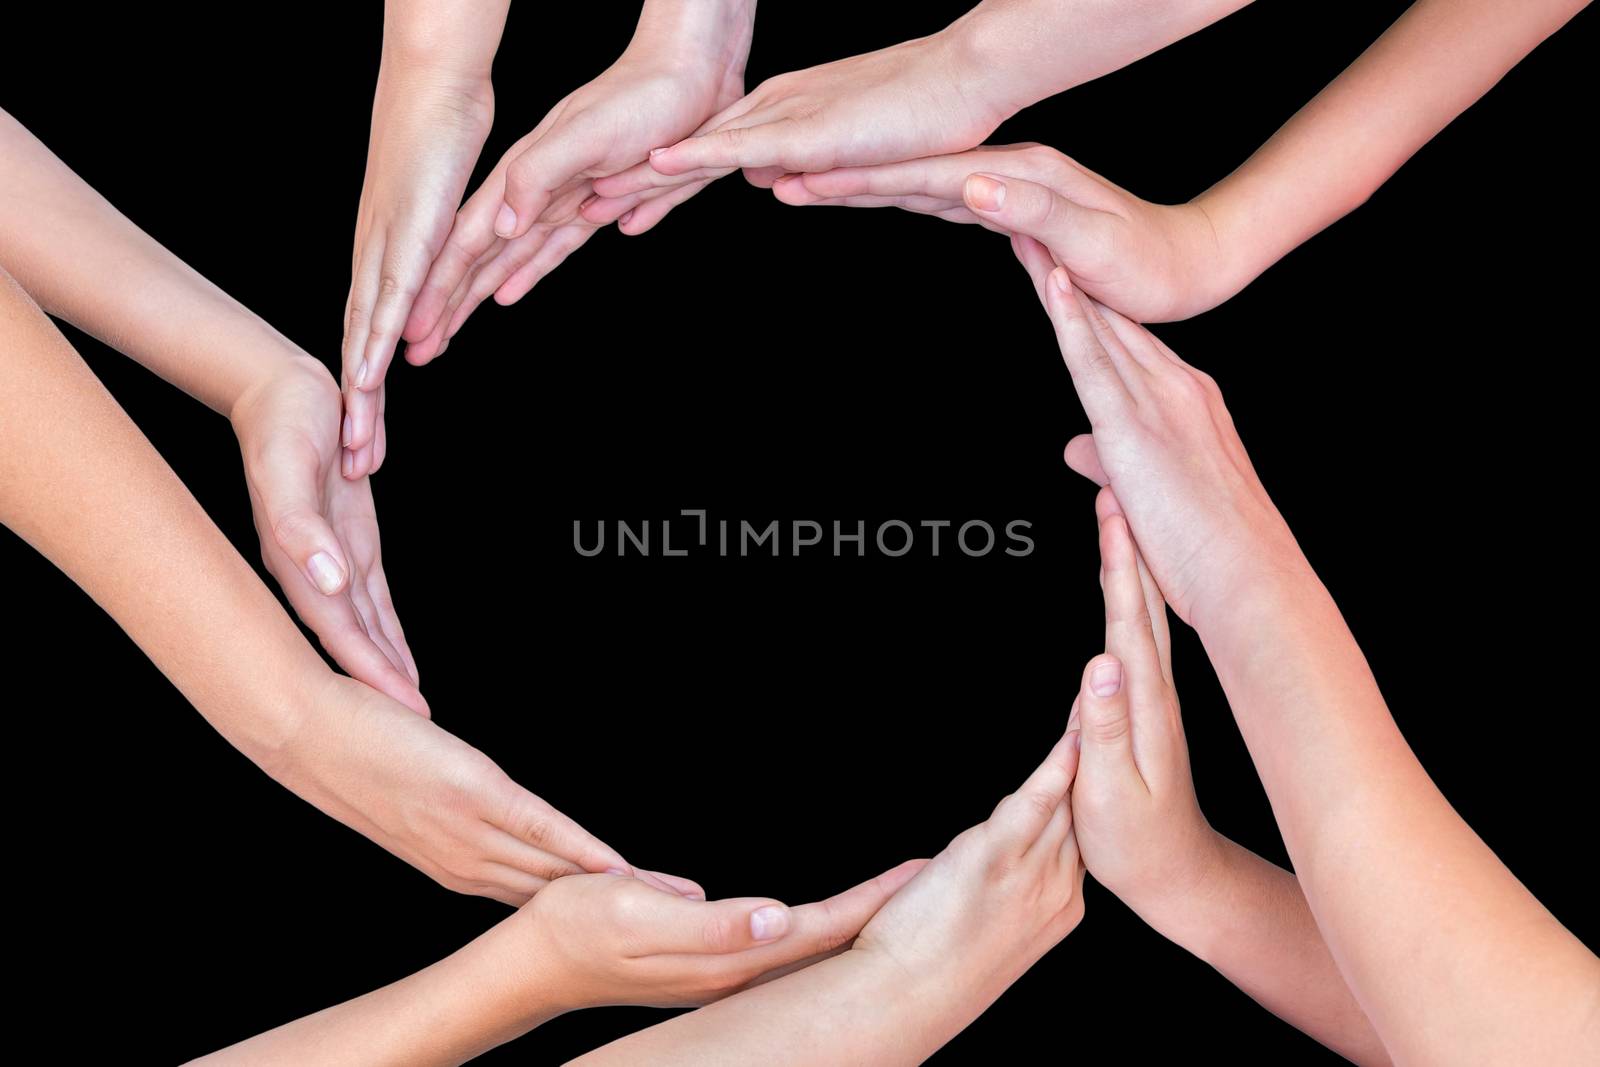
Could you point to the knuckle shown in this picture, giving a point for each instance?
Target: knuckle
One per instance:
(717, 932)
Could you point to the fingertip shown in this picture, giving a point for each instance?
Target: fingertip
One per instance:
(769, 922)
(1061, 284)
(326, 572)
(505, 222)
(1103, 676)
(984, 192)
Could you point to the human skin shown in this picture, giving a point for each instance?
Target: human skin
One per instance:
(973, 920)
(319, 532)
(587, 941)
(431, 113)
(1143, 836)
(685, 60)
(1449, 956)
(932, 95)
(1160, 262)
(80, 483)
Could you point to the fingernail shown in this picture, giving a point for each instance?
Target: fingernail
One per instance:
(505, 223)
(626, 215)
(656, 152)
(442, 346)
(619, 872)
(326, 575)
(1106, 679)
(348, 432)
(985, 194)
(1077, 740)
(591, 198)
(1062, 282)
(361, 374)
(348, 463)
(768, 922)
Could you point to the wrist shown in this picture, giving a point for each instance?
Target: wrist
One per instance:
(457, 40)
(699, 38)
(1177, 908)
(994, 65)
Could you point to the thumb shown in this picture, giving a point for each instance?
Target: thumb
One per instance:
(755, 147)
(1076, 235)
(1103, 718)
(534, 176)
(287, 482)
(1083, 457)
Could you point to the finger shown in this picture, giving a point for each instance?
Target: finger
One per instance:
(533, 178)
(472, 241)
(1084, 458)
(645, 217)
(1089, 349)
(1054, 834)
(1079, 237)
(360, 424)
(533, 821)
(1106, 736)
(939, 176)
(684, 887)
(338, 628)
(668, 924)
(404, 266)
(1107, 505)
(759, 139)
(763, 177)
(359, 305)
(1131, 640)
(642, 178)
(378, 589)
(1023, 815)
(1037, 261)
(826, 925)
(287, 477)
(514, 852)
(509, 884)
(552, 253)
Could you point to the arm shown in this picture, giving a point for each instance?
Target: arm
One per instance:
(1160, 262)
(587, 941)
(125, 529)
(1449, 956)
(1144, 838)
(685, 61)
(1431, 65)
(319, 536)
(999, 897)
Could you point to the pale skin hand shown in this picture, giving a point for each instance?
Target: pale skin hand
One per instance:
(1143, 836)
(937, 94)
(685, 61)
(320, 540)
(586, 941)
(1463, 969)
(431, 113)
(981, 913)
(1152, 262)
(1157, 262)
(83, 486)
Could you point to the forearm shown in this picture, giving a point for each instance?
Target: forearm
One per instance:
(1248, 918)
(458, 1008)
(1022, 51)
(1427, 926)
(1430, 66)
(852, 1008)
(81, 484)
(84, 262)
(461, 36)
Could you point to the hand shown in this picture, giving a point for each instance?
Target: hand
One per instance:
(435, 801)
(621, 941)
(1133, 804)
(998, 897)
(318, 531)
(523, 221)
(912, 100)
(1165, 443)
(429, 122)
(1151, 262)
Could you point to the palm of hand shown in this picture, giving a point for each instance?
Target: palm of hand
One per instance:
(289, 438)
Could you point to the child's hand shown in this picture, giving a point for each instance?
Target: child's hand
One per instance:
(613, 940)
(911, 100)
(523, 221)
(429, 122)
(318, 530)
(998, 897)
(1152, 262)
(1133, 804)
(1164, 441)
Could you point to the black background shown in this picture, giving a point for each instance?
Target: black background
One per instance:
(1412, 386)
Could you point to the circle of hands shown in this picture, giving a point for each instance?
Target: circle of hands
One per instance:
(892, 128)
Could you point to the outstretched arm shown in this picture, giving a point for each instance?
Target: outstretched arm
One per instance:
(1451, 957)
(87, 263)
(587, 941)
(1144, 838)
